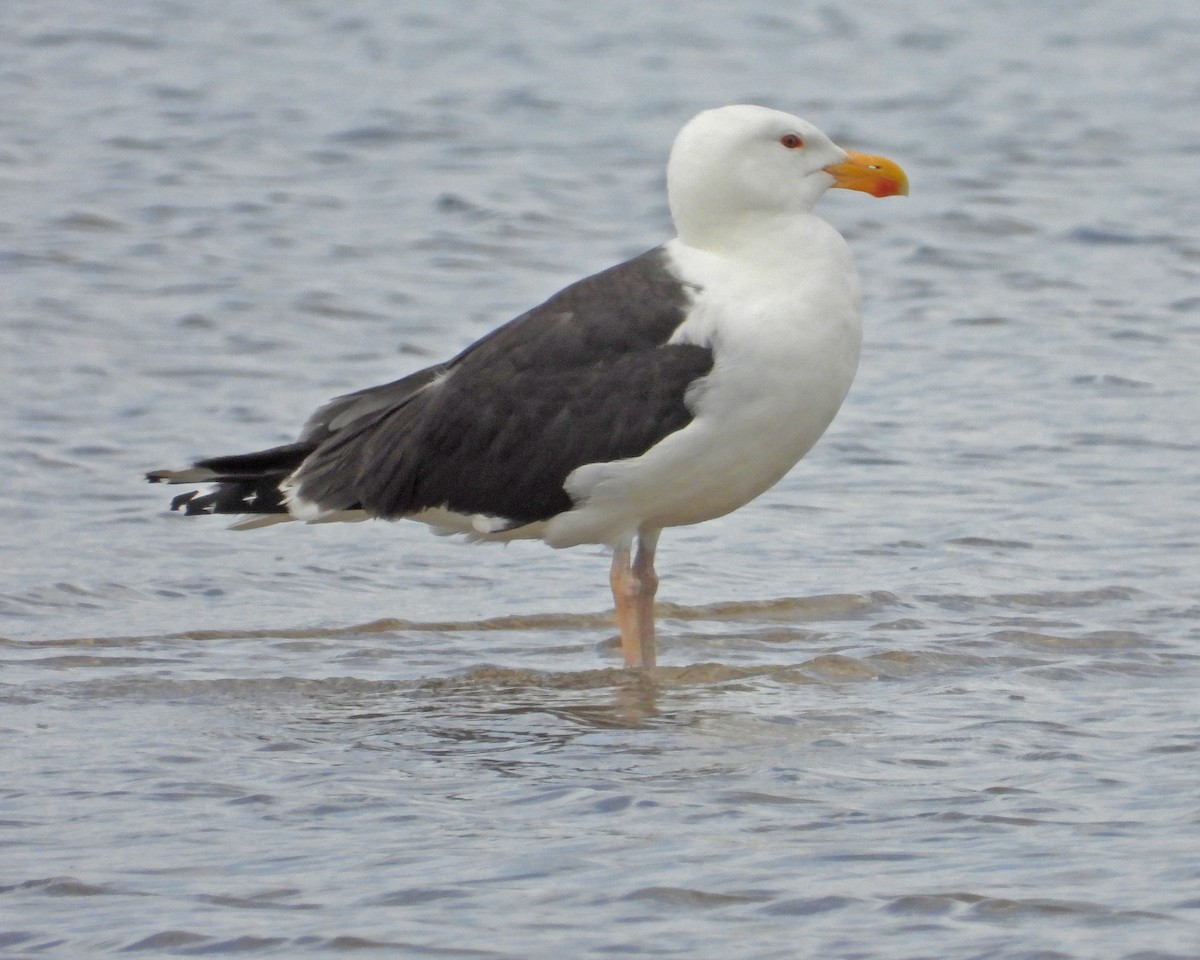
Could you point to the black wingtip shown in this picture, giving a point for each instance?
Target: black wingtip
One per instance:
(193, 503)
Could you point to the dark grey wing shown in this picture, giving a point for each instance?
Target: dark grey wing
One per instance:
(342, 411)
(250, 482)
(587, 377)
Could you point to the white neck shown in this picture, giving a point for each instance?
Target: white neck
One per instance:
(791, 243)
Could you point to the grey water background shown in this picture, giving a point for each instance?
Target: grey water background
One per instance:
(933, 696)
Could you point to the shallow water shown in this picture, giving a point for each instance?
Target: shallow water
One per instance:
(934, 695)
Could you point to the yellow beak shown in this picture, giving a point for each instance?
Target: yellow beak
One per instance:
(878, 176)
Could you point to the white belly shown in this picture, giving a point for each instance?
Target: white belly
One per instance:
(786, 353)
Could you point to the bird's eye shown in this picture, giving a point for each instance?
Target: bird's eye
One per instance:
(791, 141)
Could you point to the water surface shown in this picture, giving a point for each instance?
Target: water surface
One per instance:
(933, 696)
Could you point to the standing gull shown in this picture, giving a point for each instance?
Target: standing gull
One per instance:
(667, 390)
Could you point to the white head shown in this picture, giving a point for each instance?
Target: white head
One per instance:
(733, 166)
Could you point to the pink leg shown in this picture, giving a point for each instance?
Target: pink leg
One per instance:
(633, 586)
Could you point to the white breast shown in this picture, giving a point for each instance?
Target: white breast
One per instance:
(783, 320)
